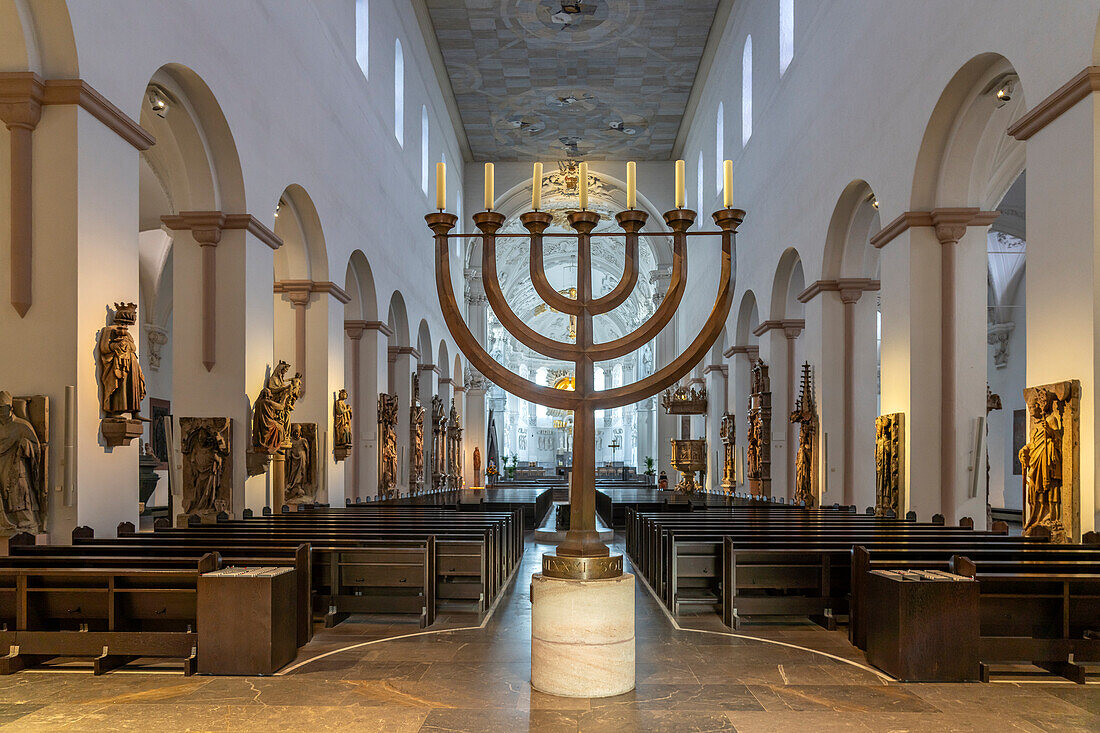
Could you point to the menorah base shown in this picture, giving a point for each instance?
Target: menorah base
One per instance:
(568, 567)
(582, 636)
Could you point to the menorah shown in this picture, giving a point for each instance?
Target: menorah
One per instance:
(582, 555)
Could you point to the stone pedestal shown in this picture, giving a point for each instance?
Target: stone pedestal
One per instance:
(582, 636)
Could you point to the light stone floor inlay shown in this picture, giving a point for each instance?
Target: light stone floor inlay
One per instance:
(692, 676)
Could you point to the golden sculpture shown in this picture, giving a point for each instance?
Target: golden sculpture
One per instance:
(454, 448)
(207, 464)
(688, 456)
(727, 431)
(24, 438)
(439, 447)
(889, 444)
(271, 413)
(120, 376)
(341, 426)
(387, 446)
(1049, 460)
(416, 428)
(806, 416)
(685, 401)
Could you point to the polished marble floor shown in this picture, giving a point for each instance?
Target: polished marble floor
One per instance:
(465, 676)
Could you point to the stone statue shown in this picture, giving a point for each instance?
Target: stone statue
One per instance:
(341, 421)
(806, 416)
(727, 433)
(454, 447)
(120, 377)
(416, 429)
(271, 413)
(758, 452)
(889, 443)
(300, 465)
(1041, 459)
(477, 466)
(439, 458)
(387, 445)
(23, 464)
(207, 461)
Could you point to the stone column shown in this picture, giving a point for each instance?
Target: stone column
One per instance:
(354, 331)
(20, 110)
(476, 421)
(1063, 237)
(717, 378)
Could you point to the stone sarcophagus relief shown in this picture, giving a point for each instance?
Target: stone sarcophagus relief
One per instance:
(387, 446)
(300, 464)
(121, 381)
(688, 456)
(758, 452)
(205, 444)
(727, 431)
(416, 438)
(24, 463)
(889, 463)
(341, 426)
(805, 415)
(1051, 461)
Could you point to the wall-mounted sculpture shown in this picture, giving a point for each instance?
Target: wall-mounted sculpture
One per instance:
(205, 443)
(477, 467)
(271, 416)
(387, 446)
(805, 415)
(301, 464)
(341, 426)
(727, 431)
(1051, 461)
(759, 449)
(889, 463)
(688, 456)
(454, 448)
(24, 462)
(121, 382)
(416, 438)
(439, 445)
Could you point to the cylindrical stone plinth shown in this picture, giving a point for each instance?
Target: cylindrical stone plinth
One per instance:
(582, 636)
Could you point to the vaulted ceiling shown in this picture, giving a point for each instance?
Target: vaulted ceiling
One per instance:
(595, 79)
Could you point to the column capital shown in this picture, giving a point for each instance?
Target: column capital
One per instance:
(306, 287)
(207, 226)
(21, 95)
(396, 351)
(749, 350)
(950, 223)
(723, 369)
(791, 327)
(355, 329)
(839, 285)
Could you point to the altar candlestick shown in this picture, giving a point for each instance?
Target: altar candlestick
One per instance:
(536, 187)
(727, 184)
(441, 186)
(488, 186)
(631, 185)
(584, 186)
(681, 200)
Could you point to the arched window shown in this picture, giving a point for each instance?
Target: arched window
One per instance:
(746, 92)
(362, 34)
(424, 148)
(699, 183)
(786, 34)
(398, 93)
(720, 145)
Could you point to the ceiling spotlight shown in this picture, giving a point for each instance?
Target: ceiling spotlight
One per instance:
(158, 101)
(1002, 88)
(873, 200)
(278, 208)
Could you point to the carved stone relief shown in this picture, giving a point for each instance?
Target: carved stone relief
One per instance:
(889, 462)
(205, 443)
(387, 446)
(1051, 461)
(24, 462)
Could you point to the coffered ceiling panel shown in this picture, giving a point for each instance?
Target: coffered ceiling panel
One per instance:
(545, 79)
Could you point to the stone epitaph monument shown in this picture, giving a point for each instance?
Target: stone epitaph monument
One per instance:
(582, 616)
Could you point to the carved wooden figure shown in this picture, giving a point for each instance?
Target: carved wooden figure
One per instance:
(758, 452)
(271, 413)
(387, 445)
(728, 433)
(806, 416)
(454, 448)
(416, 430)
(120, 377)
(205, 443)
(24, 462)
(1051, 460)
(439, 458)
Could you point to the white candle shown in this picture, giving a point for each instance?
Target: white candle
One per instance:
(681, 200)
(488, 186)
(536, 187)
(631, 185)
(584, 186)
(441, 186)
(727, 184)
